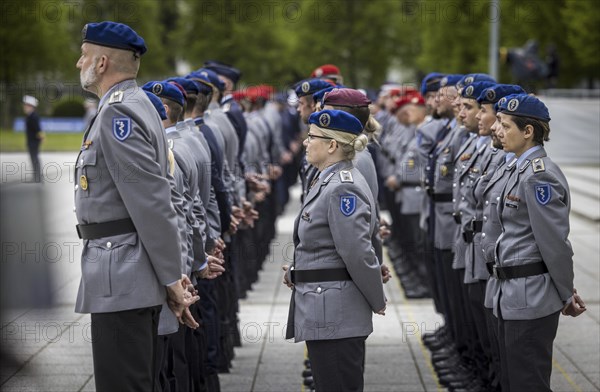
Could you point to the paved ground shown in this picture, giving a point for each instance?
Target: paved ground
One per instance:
(53, 352)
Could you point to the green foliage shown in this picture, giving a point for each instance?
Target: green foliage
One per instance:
(69, 108)
(581, 20)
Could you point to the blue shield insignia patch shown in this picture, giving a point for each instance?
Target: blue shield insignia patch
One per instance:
(543, 193)
(348, 204)
(121, 128)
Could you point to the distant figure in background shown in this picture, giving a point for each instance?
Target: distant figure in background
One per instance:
(34, 134)
(553, 64)
(525, 65)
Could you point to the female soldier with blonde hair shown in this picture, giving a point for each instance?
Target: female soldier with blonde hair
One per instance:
(336, 276)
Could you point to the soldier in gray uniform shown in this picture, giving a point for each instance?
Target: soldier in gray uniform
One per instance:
(335, 277)
(533, 261)
(476, 274)
(121, 195)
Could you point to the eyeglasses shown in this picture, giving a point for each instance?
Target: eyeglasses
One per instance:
(311, 136)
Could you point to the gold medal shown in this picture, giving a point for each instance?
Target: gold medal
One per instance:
(83, 183)
(444, 170)
(411, 163)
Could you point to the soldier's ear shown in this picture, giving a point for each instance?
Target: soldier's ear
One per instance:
(102, 64)
(528, 131)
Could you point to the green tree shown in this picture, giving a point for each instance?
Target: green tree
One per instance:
(581, 19)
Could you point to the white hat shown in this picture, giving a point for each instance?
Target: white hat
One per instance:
(29, 100)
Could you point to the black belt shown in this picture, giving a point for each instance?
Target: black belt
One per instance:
(319, 275)
(441, 197)
(517, 271)
(93, 231)
(476, 226)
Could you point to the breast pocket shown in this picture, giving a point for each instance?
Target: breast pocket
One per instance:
(87, 172)
(325, 298)
(109, 265)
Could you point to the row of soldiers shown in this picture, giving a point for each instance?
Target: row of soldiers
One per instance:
(233, 160)
(441, 169)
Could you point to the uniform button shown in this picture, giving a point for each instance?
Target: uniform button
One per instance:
(81, 161)
(74, 208)
(462, 183)
(487, 202)
(482, 250)
(453, 200)
(482, 235)
(462, 198)
(428, 168)
(76, 186)
(485, 218)
(498, 198)
(454, 185)
(319, 290)
(108, 244)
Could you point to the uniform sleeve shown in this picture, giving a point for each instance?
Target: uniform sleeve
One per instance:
(144, 189)
(199, 233)
(352, 239)
(177, 198)
(550, 225)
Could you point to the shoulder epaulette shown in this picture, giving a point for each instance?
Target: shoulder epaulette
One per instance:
(116, 97)
(346, 176)
(525, 165)
(326, 180)
(538, 165)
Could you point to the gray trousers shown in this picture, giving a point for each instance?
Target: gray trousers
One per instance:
(526, 352)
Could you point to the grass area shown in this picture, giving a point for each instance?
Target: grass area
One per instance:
(15, 141)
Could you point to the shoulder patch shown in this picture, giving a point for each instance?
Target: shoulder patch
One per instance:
(116, 97)
(543, 193)
(538, 165)
(121, 128)
(346, 176)
(348, 204)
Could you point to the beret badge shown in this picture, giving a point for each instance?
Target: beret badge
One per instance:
(157, 89)
(469, 91)
(305, 87)
(324, 119)
(513, 104)
(490, 95)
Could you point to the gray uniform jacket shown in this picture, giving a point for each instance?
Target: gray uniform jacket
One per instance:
(408, 171)
(467, 169)
(195, 213)
(491, 228)
(124, 172)
(450, 153)
(475, 268)
(534, 215)
(333, 230)
(167, 322)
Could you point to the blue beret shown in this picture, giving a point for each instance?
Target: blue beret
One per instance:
(188, 85)
(494, 93)
(474, 77)
(311, 86)
(208, 78)
(336, 120)
(113, 35)
(450, 80)
(318, 96)
(431, 83)
(523, 105)
(165, 90)
(158, 105)
(473, 91)
(224, 70)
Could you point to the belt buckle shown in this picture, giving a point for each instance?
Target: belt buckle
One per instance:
(495, 271)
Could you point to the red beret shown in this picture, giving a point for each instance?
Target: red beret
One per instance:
(345, 97)
(324, 70)
(413, 97)
(238, 95)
